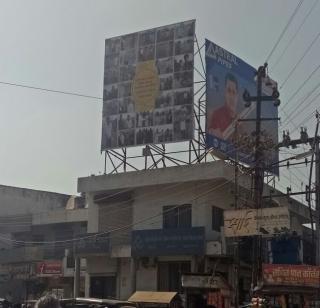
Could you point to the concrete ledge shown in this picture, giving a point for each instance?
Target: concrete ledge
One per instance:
(169, 175)
(60, 216)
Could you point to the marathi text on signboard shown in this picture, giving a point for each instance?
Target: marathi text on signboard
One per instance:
(148, 87)
(248, 222)
(291, 275)
(227, 76)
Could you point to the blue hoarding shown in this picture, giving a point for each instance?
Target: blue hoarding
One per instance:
(227, 77)
(165, 242)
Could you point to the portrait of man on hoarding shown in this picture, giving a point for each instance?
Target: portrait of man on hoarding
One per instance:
(221, 118)
(230, 123)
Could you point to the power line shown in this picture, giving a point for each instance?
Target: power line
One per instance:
(285, 29)
(301, 86)
(295, 34)
(49, 90)
(116, 229)
(303, 101)
(119, 228)
(300, 60)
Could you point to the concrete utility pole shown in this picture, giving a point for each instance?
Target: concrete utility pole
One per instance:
(259, 164)
(315, 144)
(317, 189)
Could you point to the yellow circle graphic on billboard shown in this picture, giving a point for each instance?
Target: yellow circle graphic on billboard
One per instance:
(145, 88)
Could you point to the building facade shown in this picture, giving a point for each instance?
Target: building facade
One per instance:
(34, 255)
(165, 226)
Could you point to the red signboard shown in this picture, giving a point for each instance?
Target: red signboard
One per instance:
(49, 268)
(291, 275)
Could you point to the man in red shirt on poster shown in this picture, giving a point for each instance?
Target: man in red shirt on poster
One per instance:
(221, 119)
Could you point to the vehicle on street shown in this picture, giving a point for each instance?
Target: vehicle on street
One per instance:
(81, 302)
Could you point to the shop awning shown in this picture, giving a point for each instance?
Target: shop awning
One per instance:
(152, 297)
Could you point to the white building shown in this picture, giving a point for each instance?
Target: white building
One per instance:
(165, 222)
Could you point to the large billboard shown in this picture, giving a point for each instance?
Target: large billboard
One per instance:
(148, 87)
(227, 77)
(248, 222)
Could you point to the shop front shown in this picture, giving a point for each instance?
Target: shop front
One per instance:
(287, 285)
(163, 255)
(206, 291)
(49, 274)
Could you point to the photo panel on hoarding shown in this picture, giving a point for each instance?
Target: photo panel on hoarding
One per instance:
(183, 97)
(183, 62)
(109, 131)
(147, 37)
(165, 99)
(183, 79)
(183, 46)
(227, 77)
(165, 65)
(163, 116)
(148, 87)
(110, 92)
(183, 121)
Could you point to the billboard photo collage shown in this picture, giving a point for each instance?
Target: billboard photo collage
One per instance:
(166, 54)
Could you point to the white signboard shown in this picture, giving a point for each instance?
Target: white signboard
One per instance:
(201, 281)
(148, 87)
(248, 222)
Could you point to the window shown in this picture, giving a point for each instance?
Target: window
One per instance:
(177, 216)
(217, 218)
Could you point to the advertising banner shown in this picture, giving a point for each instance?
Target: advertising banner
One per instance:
(227, 77)
(159, 242)
(291, 275)
(148, 87)
(248, 222)
(49, 268)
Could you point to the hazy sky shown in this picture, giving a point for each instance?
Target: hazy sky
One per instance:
(48, 140)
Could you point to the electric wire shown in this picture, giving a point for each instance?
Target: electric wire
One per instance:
(119, 228)
(284, 29)
(301, 86)
(49, 90)
(295, 34)
(300, 60)
(302, 103)
(102, 233)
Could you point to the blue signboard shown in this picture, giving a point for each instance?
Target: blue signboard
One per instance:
(92, 244)
(286, 251)
(227, 77)
(165, 242)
